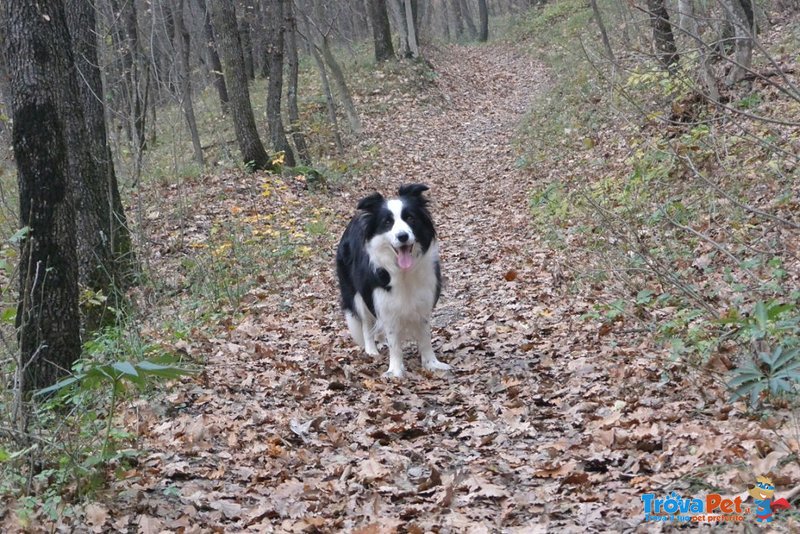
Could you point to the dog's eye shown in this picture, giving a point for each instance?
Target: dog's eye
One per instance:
(409, 218)
(387, 223)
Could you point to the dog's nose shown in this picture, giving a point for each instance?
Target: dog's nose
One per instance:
(402, 237)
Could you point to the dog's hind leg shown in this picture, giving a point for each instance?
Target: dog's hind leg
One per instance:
(355, 327)
(368, 325)
(429, 360)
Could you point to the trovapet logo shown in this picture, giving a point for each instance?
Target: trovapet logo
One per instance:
(714, 508)
(711, 508)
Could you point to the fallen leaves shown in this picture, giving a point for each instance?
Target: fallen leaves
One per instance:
(548, 421)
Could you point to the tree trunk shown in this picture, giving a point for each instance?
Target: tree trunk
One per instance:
(603, 33)
(483, 13)
(411, 30)
(688, 24)
(275, 45)
(663, 39)
(381, 33)
(134, 83)
(293, 64)
(743, 39)
(247, 49)
(341, 88)
(458, 18)
(38, 59)
(224, 19)
(183, 48)
(444, 18)
(105, 214)
(326, 87)
(397, 12)
(213, 57)
(106, 262)
(473, 31)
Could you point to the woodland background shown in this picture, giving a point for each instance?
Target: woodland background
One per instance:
(616, 188)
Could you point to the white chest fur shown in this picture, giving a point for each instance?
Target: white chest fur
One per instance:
(406, 306)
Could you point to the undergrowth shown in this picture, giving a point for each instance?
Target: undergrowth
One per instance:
(676, 214)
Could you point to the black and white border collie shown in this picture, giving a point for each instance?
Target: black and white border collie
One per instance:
(388, 267)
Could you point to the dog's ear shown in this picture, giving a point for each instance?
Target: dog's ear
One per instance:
(371, 203)
(412, 190)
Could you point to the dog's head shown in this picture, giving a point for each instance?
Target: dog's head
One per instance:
(399, 230)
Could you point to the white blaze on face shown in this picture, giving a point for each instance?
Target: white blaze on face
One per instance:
(403, 249)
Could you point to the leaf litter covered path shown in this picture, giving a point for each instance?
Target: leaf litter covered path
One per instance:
(543, 424)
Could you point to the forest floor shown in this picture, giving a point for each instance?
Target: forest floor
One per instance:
(548, 421)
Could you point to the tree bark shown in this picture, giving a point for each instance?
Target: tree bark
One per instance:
(663, 38)
(293, 64)
(183, 48)
(326, 87)
(104, 242)
(134, 82)
(224, 20)
(247, 49)
(341, 87)
(411, 30)
(742, 27)
(213, 57)
(37, 52)
(603, 33)
(398, 16)
(483, 13)
(688, 24)
(381, 32)
(473, 31)
(458, 18)
(275, 46)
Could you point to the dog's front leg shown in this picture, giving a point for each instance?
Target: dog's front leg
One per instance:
(429, 360)
(396, 367)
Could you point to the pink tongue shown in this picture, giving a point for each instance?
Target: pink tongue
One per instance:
(404, 258)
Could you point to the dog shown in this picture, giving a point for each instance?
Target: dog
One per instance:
(387, 263)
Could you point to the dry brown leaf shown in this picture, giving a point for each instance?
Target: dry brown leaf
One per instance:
(96, 516)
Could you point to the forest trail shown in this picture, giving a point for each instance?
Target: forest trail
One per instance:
(543, 423)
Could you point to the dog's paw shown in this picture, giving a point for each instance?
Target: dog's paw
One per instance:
(436, 365)
(372, 351)
(393, 373)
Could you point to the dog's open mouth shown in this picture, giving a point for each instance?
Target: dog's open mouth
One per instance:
(405, 258)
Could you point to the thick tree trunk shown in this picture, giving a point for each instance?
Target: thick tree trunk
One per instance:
(182, 48)
(224, 19)
(663, 39)
(38, 58)
(213, 57)
(275, 45)
(105, 251)
(411, 30)
(293, 64)
(483, 13)
(397, 14)
(381, 32)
